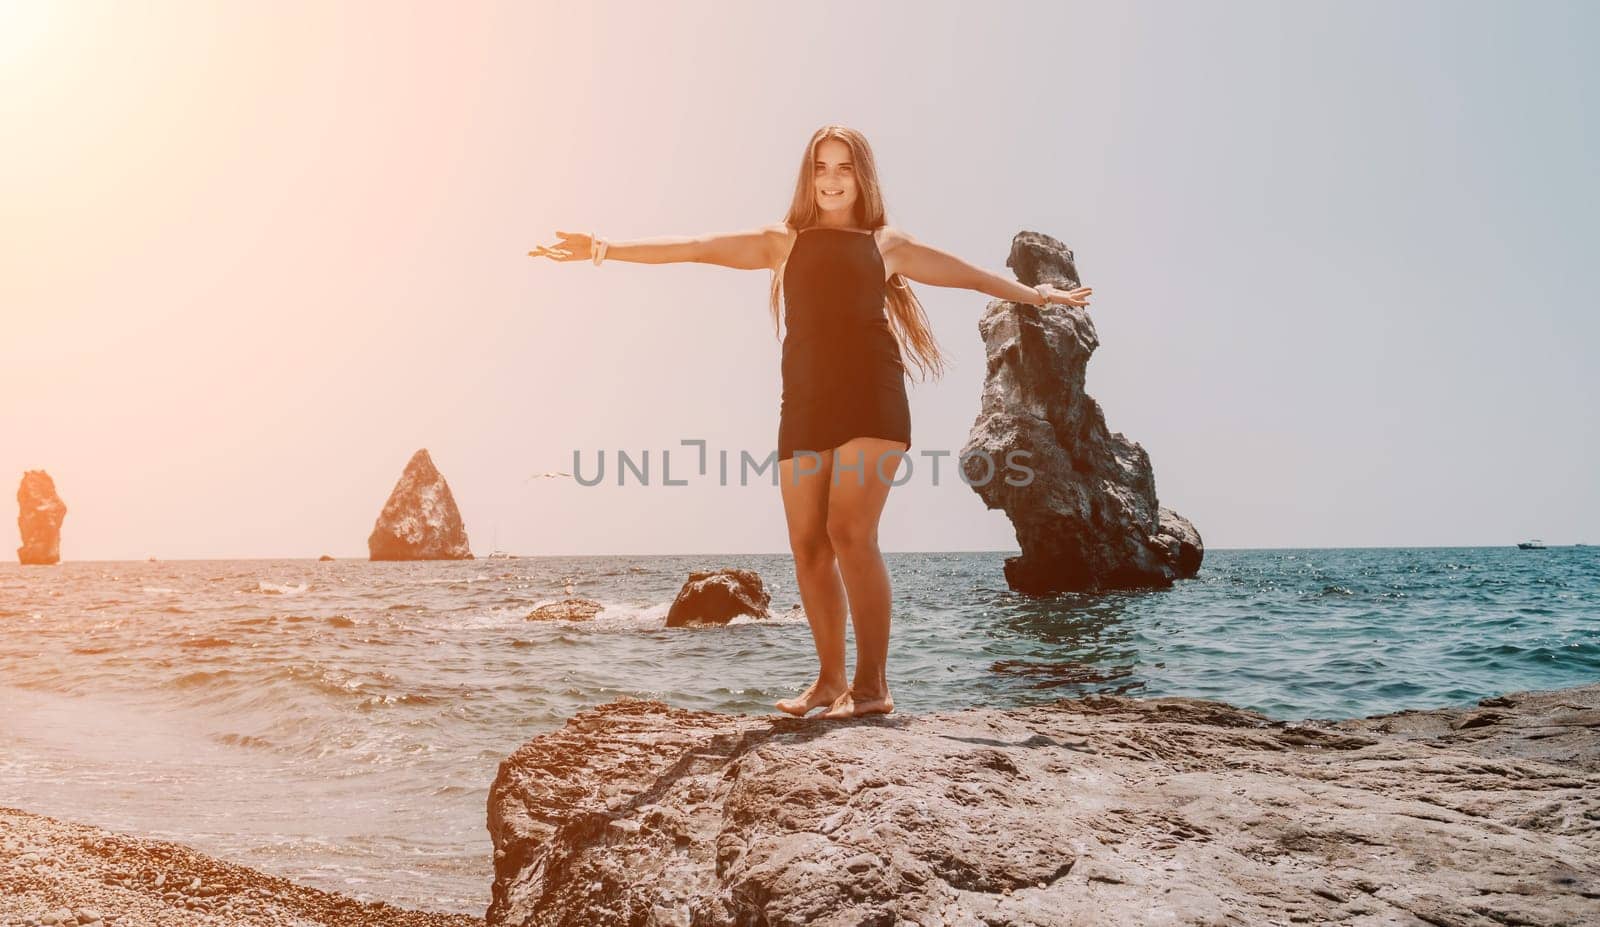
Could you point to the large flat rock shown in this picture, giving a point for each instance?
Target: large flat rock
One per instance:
(1104, 810)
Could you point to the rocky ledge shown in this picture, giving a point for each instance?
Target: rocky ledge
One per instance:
(1104, 810)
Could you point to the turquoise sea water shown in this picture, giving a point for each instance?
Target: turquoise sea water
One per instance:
(339, 723)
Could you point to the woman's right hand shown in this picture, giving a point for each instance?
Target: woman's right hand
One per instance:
(573, 246)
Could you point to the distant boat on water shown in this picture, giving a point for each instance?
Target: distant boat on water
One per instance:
(1534, 544)
(497, 553)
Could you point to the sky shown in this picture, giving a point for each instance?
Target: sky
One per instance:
(256, 255)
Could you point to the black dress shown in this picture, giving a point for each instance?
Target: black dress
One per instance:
(843, 376)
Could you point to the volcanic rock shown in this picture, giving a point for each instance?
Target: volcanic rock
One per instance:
(1104, 810)
(1087, 518)
(566, 610)
(719, 596)
(420, 521)
(39, 515)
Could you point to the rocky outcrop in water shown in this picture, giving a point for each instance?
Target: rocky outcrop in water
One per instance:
(39, 515)
(1105, 810)
(567, 610)
(1088, 518)
(718, 597)
(420, 521)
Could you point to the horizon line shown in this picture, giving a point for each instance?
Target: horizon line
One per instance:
(1007, 551)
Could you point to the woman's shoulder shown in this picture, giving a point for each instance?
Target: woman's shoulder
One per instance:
(889, 236)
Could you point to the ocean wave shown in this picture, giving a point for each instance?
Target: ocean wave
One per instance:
(266, 588)
(244, 740)
(205, 642)
(405, 698)
(451, 580)
(792, 616)
(1043, 675)
(199, 678)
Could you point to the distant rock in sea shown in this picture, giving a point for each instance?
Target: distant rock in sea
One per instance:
(324, 558)
(1087, 519)
(566, 610)
(420, 521)
(1105, 810)
(718, 597)
(39, 515)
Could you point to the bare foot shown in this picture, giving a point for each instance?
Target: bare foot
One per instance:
(815, 696)
(859, 703)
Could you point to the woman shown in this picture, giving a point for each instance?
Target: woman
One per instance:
(850, 318)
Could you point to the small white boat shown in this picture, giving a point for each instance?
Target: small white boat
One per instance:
(500, 555)
(1534, 544)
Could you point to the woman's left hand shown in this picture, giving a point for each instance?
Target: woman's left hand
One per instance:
(1078, 297)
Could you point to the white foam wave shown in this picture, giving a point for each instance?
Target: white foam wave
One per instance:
(280, 588)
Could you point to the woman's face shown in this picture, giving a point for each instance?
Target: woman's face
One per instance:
(833, 176)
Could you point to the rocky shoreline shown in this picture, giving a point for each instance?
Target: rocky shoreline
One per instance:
(59, 873)
(1104, 810)
(1097, 810)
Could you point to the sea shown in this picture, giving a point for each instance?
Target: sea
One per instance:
(339, 723)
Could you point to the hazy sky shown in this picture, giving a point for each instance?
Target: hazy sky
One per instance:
(257, 254)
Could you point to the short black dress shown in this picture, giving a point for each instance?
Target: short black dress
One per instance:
(843, 376)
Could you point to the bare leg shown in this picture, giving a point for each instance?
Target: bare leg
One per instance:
(804, 482)
(855, 503)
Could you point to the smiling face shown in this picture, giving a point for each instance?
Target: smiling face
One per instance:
(834, 180)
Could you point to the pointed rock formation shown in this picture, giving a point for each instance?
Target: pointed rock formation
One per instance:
(719, 596)
(420, 521)
(39, 515)
(1087, 519)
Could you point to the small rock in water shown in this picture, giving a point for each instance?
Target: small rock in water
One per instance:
(567, 610)
(719, 596)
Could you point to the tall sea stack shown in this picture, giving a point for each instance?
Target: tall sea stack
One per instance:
(39, 515)
(1088, 518)
(420, 521)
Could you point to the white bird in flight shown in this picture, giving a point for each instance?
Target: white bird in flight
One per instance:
(546, 475)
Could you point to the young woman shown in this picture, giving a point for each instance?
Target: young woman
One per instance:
(851, 319)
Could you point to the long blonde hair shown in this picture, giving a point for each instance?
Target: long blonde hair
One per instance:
(906, 318)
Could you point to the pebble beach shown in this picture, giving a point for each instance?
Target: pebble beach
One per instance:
(59, 874)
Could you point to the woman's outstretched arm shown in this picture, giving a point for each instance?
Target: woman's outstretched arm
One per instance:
(927, 264)
(753, 249)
